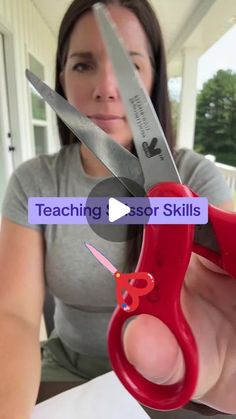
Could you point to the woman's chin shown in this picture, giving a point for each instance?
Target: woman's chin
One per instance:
(128, 144)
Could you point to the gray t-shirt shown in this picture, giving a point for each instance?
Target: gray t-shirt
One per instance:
(84, 291)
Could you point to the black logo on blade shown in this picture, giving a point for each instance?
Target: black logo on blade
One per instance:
(151, 150)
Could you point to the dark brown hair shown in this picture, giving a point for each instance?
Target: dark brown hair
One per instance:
(147, 18)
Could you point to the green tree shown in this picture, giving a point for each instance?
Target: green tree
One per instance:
(215, 131)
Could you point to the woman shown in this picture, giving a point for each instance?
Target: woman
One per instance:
(84, 292)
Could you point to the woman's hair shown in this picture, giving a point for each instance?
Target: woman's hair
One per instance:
(159, 96)
(149, 22)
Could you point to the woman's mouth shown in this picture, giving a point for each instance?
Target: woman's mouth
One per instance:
(106, 122)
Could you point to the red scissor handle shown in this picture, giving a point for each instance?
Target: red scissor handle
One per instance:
(165, 254)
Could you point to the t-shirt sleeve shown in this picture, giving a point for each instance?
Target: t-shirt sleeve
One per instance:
(22, 185)
(202, 176)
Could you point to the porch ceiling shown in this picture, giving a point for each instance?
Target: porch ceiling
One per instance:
(185, 23)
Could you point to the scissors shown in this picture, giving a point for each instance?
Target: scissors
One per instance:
(125, 281)
(166, 249)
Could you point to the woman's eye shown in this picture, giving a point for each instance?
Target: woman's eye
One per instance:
(81, 67)
(136, 66)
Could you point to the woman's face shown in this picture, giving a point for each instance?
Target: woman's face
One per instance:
(88, 79)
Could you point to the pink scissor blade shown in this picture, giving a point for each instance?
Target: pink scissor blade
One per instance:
(101, 258)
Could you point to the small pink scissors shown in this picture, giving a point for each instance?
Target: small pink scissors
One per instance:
(124, 282)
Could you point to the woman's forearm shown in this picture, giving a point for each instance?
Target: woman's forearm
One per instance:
(20, 367)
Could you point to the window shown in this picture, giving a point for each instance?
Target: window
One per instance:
(38, 108)
(6, 158)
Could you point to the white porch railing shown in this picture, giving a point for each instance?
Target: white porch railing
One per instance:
(229, 173)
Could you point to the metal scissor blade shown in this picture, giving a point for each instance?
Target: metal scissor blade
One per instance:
(151, 146)
(205, 236)
(119, 161)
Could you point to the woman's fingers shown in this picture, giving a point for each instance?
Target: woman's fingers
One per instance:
(153, 350)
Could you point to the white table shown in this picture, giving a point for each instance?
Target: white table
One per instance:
(101, 398)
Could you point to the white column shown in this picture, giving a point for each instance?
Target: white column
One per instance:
(187, 112)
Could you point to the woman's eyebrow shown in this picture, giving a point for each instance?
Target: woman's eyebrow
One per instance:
(84, 54)
(132, 53)
(89, 55)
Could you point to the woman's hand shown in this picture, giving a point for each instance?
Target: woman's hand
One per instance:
(209, 303)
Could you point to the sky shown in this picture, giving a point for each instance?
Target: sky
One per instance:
(222, 55)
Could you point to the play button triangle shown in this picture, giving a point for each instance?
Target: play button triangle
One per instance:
(116, 209)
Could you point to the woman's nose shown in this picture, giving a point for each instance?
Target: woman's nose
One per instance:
(106, 88)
